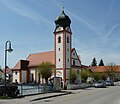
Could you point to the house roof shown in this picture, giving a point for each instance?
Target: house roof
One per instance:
(8, 70)
(37, 58)
(21, 63)
(103, 68)
(17, 66)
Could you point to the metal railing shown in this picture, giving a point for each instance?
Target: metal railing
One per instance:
(30, 89)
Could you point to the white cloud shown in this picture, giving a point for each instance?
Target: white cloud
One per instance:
(24, 10)
(110, 31)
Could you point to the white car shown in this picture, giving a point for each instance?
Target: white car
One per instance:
(100, 84)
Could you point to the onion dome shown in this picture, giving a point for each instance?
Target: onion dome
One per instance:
(62, 21)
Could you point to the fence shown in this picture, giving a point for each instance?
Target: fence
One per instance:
(78, 86)
(29, 89)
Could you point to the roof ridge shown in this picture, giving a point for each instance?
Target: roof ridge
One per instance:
(38, 53)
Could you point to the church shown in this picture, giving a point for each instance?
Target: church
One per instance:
(63, 57)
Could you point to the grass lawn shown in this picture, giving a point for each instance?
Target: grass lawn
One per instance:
(5, 97)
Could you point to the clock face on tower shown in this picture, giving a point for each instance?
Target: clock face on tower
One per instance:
(59, 29)
(68, 29)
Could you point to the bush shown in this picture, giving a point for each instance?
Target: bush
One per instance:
(11, 90)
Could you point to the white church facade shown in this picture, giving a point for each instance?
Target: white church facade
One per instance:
(64, 57)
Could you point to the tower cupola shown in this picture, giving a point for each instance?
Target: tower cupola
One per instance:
(62, 21)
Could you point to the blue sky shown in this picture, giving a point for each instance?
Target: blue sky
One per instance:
(29, 25)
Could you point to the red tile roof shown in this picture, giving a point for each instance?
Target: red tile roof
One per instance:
(18, 65)
(103, 68)
(37, 58)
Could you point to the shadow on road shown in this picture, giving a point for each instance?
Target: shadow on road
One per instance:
(51, 96)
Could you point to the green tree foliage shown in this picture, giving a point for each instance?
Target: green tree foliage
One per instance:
(84, 74)
(73, 76)
(101, 63)
(97, 76)
(94, 62)
(104, 76)
(45, 69)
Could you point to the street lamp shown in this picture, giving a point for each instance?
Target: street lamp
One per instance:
(9, 49)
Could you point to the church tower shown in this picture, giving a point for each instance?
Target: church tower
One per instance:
(62, 46)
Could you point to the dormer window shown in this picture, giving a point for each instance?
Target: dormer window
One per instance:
(59, 39)
(67, 39)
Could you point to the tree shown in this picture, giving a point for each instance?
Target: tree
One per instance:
(45, 69)
(84, 74)
(97, 76)
(101, 63)
(94, 62)
(104, 76)
(73, 76)
(111, 70)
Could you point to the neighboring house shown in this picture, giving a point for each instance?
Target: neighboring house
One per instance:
(8, 74)
(64, 57)
(103, 68)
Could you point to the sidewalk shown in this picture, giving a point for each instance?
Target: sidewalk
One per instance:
(32, 98)
(36, 98)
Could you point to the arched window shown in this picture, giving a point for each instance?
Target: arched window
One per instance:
(59, 39)
(67, 39)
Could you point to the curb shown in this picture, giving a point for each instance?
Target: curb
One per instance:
(51, 96)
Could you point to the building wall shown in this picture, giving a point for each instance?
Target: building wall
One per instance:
(24, 76)
(68, 51)
(75, 58)
(67, 74)
(59, 73)
(59, 51)
(32, 75)
(74, 54)
(77, 63)
(16, 76)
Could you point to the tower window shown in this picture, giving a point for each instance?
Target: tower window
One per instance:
(59, 59)
(67, 39)
(59, 39)
(68, 60)
(59, 49)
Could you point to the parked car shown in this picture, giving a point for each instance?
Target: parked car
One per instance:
(109, 83)
(100, 84)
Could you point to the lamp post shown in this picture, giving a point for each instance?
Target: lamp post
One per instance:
(9, 49)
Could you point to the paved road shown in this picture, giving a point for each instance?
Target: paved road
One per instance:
(109, 95)
(90, 96)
